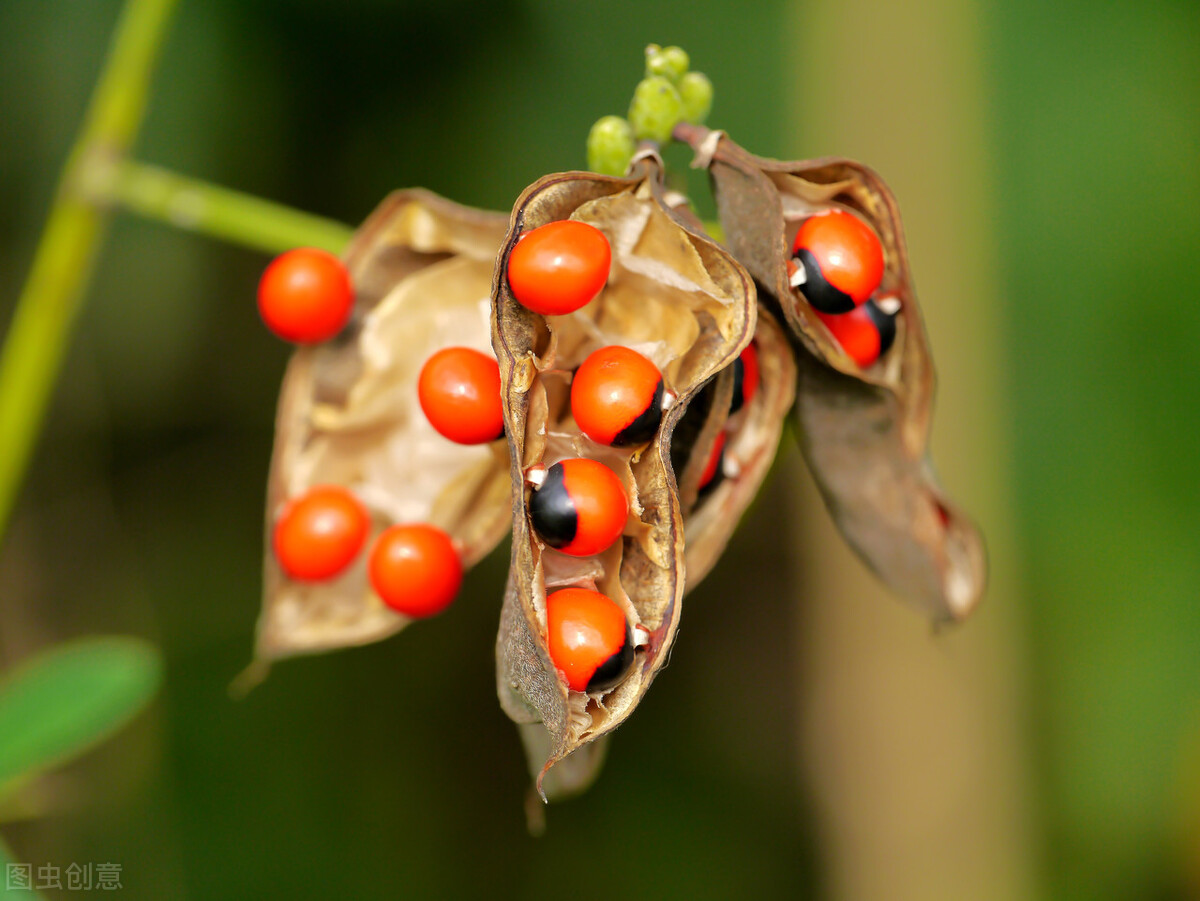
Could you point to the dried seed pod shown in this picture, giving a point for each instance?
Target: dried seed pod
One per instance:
(751, 438)
(349, 415)
(863, 432)
(697, 433)
(685, 303)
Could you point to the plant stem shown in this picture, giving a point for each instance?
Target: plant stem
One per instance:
(48, 305)
(219, 212)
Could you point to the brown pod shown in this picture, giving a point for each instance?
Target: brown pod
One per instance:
(750, 438)
(349, 416)
(684, 302)
(864, 432)
(696, 437)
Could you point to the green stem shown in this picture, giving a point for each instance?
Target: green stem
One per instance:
(48, 305)
(219, 212)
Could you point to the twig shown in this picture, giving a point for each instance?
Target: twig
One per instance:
(218, 212)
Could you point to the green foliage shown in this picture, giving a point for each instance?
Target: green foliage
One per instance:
(66, 699)
(1100, 298)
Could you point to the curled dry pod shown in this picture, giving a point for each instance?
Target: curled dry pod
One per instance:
(685, 303)
(349, 415)
(751, 438)
(863, 432)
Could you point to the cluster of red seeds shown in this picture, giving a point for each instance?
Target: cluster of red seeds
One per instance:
(306, 296)
(837, 262)
(579, 506)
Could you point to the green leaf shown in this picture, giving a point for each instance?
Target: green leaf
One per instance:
(66, 699)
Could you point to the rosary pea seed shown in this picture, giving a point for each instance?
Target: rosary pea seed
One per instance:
(581, 507)
(842, 260)
(305, 296)
(559, 267)
(459, 392)
(589, 638)
(319, 533)
(415, 569)
(616, 397)
(865, 333)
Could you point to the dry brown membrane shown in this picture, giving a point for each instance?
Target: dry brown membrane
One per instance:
(685, 303)
(349, 415)
(864, 432)
(752, 438)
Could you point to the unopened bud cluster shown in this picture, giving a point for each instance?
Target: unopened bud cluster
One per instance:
(667, 95)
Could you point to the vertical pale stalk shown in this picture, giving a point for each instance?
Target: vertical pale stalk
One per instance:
(914, 744)
(48, 305)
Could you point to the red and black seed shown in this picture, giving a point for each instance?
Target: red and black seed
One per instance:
(642, 429)
(552, 511)
(817, 290)
(885, 324)
(612, 671)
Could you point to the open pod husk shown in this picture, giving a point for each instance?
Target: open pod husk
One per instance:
(752, 438)
(349, 415)
(863, 432)
(681, 300)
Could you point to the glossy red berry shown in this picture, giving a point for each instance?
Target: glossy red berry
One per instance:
(865, 333)
(459, 390)
(415, 569)
(841, 259)
(559, 267)
(616, 397)
(745, 377)
(305, 296)
(319, 533)
(581, 507)
(589, 638)
(713, 467)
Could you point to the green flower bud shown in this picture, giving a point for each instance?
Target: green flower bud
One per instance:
(696, 93)
(669, 62)
(655, 109)
(610, 146)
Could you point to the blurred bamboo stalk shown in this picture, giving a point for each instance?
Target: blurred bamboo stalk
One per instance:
(915, 745)
(96, 177)
(49, 303)
(197, 206)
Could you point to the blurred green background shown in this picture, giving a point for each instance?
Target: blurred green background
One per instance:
(1045, 156)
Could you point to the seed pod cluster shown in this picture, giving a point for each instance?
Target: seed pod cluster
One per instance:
(641, 381)
(682, 302)
(349, 417)
(864, 431)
